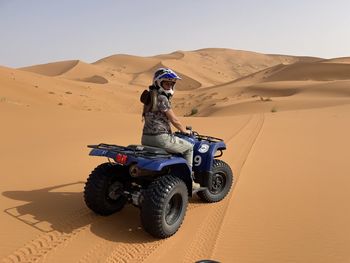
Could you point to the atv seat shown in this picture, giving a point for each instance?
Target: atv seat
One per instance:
(150, 149)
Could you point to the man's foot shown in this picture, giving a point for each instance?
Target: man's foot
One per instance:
(195, 186)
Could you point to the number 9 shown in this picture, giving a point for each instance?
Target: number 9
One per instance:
(197, 160)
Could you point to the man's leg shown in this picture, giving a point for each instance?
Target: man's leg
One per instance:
(178, 145)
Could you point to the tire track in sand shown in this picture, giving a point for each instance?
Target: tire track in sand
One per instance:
(194, 204)
(36, 249)
(138, 247)
(203, 242)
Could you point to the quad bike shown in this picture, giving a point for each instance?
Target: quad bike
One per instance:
(156, 181)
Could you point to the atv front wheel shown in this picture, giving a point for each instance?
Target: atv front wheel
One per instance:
(103, 192)
(164, 206)
(219, 184)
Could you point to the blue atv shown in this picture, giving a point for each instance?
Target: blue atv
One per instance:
(156, 181)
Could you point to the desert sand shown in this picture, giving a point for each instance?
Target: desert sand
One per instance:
(285, 120)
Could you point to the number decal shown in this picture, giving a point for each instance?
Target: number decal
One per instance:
(197, 160)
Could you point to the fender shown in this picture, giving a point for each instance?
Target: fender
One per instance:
(178, 167)
(204, 155)
(159, 164)
(212, 150)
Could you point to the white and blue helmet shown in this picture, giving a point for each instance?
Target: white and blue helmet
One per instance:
(165, 74)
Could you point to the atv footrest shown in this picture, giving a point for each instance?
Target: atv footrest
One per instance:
(200, 189)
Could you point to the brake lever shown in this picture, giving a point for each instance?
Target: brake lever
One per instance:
(189, 128)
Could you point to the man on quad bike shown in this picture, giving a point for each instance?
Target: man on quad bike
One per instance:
(158, 114)
(159, 179)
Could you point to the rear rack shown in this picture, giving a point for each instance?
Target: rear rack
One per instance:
(110, 147)
(134, 150)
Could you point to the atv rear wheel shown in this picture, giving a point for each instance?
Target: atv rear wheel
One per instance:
(104, 189)
(164, 206)
(220, 183)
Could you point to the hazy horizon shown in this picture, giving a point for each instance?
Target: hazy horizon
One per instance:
(41, 31)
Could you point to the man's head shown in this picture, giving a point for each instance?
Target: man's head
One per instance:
(164, 79)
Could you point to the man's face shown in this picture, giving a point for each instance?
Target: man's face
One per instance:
(168, 85)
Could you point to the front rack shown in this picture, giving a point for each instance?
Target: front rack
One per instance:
(201, 137)
(207, 138)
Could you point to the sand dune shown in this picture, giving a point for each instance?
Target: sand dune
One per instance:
(52, 69)
(95, 79)
(128, 64)
(33, 90)
(285, 122)
(200, 68)
(338, 60)
(313, 71)
(73, 70)
(301, 71)
(84, 71)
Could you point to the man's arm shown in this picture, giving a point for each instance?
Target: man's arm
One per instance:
(175, 121)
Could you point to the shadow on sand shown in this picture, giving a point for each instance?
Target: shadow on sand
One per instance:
(53, 209)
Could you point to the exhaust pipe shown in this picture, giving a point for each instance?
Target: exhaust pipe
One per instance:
(134, 171)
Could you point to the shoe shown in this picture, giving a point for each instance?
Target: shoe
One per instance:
(195, 186)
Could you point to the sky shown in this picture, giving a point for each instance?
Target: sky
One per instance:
(42, 31)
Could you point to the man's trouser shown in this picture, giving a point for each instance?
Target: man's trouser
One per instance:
(171, 144)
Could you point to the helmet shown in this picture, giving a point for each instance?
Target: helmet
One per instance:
(165, 74)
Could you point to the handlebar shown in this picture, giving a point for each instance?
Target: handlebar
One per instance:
(198, 136)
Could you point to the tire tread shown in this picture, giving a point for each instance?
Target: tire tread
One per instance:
(222, 166)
